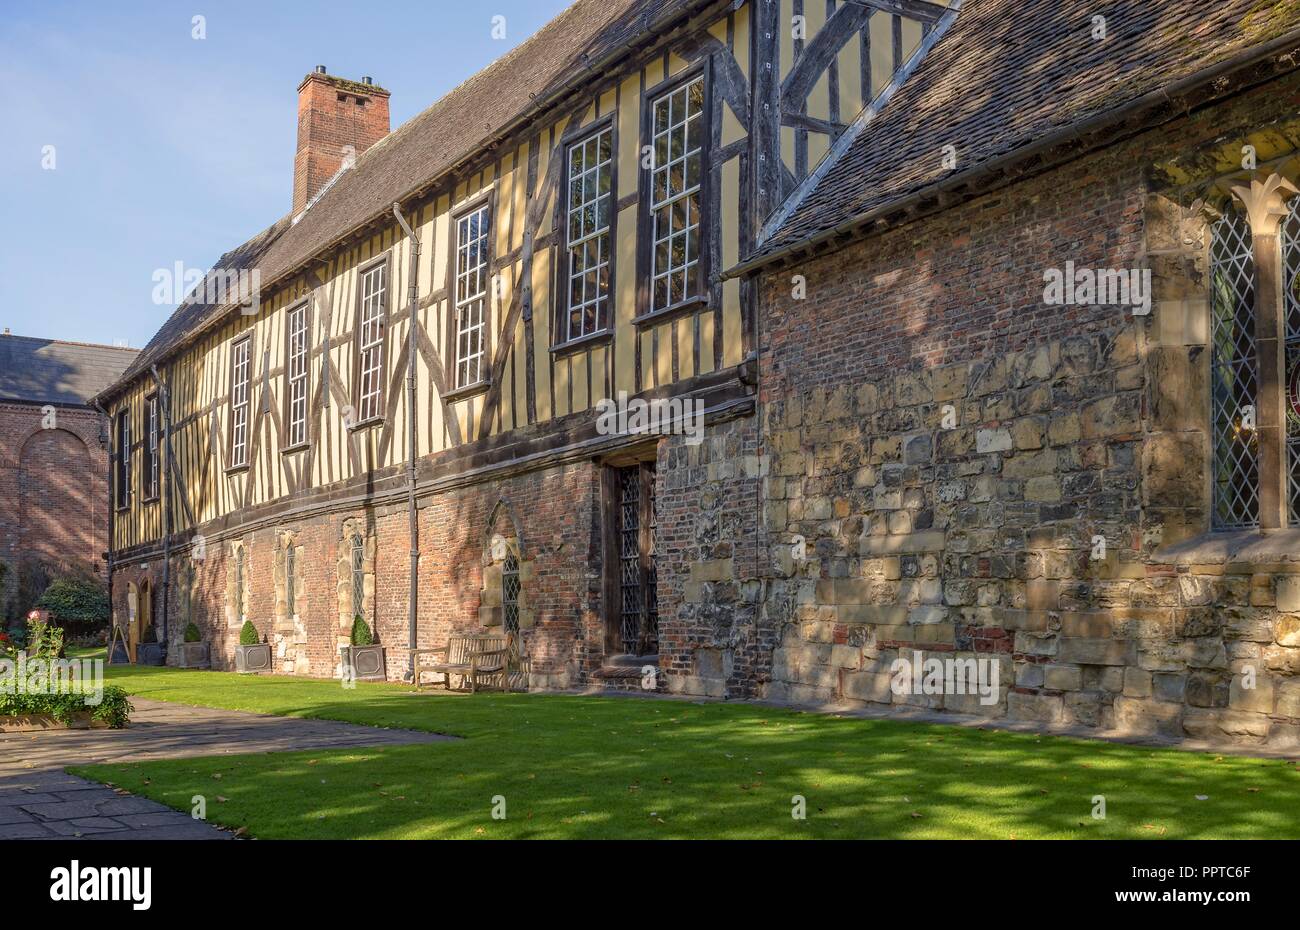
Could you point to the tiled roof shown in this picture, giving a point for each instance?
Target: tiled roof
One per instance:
(47, 371)
(1010, 73)
(563, 54)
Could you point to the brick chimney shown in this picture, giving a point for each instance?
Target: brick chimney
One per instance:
(338, 119)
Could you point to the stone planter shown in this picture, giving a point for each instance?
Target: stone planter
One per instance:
(33, 722)
(366, 662)
(252, 659)
(150, 654)
(193, 655)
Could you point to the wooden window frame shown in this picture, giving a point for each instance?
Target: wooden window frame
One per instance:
(384, 261)
(122, 429)
(646, 312)
(559, 330)
(456, 391)
(150, 477)
(247, 403)
(303, 307)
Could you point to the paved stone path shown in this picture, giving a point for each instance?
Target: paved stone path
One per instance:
(38, 800)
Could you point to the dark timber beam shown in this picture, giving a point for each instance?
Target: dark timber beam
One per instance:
(817, 55)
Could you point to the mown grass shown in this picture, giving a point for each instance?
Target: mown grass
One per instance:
(588, 767)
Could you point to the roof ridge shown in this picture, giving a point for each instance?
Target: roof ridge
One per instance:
(69, 342)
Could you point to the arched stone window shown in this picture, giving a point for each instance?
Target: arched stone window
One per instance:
(356, 577)
(503, 600)
(238, 585)
(1255, 358)
(510, 592)
(290, 632)
(1234, 377)
(358, 560)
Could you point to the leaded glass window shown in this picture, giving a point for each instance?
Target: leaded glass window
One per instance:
(358, 576)
(590, 196)
(1291, 305)
(510, 592)
(290, 574)
(676, 182)
(638, 601)
(1234, 374)
(239, 582)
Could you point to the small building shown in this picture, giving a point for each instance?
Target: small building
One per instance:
(53, 462)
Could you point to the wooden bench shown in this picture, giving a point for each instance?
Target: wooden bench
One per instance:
(489, 660)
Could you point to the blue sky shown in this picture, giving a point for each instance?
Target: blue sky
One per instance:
(171, 149)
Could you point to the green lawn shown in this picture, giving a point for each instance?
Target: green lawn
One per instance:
(584, 767)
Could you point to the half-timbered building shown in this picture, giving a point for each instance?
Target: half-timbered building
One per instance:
(985, 305)
(551, 234)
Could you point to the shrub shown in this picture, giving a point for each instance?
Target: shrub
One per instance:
(114, 709)
(361, 635)
(43, 640)
(76, 603)
(248, 634)
(192, 634)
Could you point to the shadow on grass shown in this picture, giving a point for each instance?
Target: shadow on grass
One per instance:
(586, 767)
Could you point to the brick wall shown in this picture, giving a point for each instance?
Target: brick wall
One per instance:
(53, 492)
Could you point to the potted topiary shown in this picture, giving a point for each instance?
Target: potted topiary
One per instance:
(193, 651)
(252, 655)
(364, 656)
(149, 651)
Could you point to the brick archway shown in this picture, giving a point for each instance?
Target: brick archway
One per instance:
(56, 492)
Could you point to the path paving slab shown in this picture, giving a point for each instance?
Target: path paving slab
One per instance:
(38, 800)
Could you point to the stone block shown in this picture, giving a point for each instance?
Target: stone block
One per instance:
(1137, 683)
(1256, 700)
(1142, 716)
(868, 686)
(1036, 644)
(993, 440)
(845, 656)
(1288, 594)
(1169, 687)
(1035, 708)
(1062, 677)
(1288, 698)
(1029, 675)
(1097, 651)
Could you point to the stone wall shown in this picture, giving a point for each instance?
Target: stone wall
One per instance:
(958, 469)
